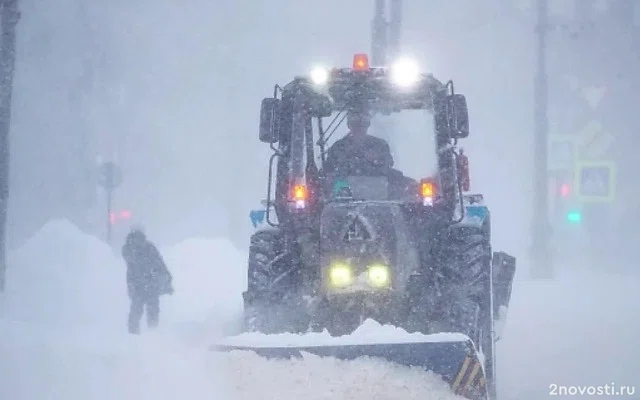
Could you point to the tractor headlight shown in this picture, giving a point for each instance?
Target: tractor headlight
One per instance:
(378, 275)
(340, 275)
(319, 76)
(405, 73)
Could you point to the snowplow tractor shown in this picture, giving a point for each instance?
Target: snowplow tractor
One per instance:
(345, 241)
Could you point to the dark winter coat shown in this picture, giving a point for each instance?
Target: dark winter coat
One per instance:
(368, 155)
(147, 273)
(364, 155)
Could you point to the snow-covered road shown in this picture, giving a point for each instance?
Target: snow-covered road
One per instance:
(579, 330)
(39, 362)
(63, 336)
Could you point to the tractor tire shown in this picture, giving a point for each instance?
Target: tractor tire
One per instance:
(266, 249)
(270, 302)
(466, 278)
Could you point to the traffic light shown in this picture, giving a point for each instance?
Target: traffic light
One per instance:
(114, 217)
(574, 216)
(565, 190)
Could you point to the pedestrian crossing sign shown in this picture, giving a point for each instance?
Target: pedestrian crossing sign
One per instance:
(595, 181)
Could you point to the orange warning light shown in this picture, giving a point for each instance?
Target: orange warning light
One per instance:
(360, 62)
(428, 190)
(299, 193)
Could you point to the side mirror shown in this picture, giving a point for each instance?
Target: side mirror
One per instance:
(458, 117)
(269, 117)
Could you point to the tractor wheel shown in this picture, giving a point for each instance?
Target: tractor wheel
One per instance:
(271, 302)
(468, 275)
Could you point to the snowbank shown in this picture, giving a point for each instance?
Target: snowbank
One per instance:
(63, 276)
(316, 378)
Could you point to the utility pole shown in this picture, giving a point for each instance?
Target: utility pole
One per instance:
(385, 46)
(395, 29)
(9, 17)
(385, 35)
(379, 34)
(109, 178)
(542, 264)
(379, 41)
(83, 100)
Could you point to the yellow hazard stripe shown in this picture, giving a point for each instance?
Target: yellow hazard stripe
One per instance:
(469, 386)
(468, 377)
(461, 373)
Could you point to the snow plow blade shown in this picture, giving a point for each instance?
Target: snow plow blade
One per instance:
(455, 361)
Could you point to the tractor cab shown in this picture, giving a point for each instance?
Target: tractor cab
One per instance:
(301, 123)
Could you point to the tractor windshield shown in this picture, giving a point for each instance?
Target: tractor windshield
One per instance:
(409, 135)
(383, 155)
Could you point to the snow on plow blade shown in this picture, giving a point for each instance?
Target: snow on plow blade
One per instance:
(456, 361)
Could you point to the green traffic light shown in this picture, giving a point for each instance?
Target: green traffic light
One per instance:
(574, 217)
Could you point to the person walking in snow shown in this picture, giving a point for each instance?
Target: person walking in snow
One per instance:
(148, 278)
